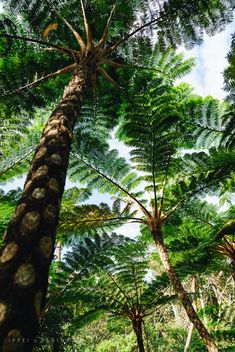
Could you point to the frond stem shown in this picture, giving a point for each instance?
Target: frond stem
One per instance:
(108, 78)
(164, 186)
(145, 211)
(90, 43)
(136, 285)
(120, 289)
(138, 30)
(110, 219)
(65, 50)
(106, 30)
(54, 74)
(75, 33)
(153, 174)
(2, 172)
(190, 194)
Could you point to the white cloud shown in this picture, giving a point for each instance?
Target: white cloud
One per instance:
(114, 143)
(13, 183)
(207, 76)
(130, 230)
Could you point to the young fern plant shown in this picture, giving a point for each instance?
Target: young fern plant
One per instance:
(115, 284)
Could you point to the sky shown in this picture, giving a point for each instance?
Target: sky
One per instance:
(206, 78)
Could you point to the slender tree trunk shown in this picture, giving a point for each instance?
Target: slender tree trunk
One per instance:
(30, 236)
(191, 326)
(146, 337)
(182, 294)
(202, 303)
(137, 326)
(176, 311)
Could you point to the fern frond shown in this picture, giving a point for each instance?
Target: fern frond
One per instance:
(206, 121)
(115, 283)
(18, 144)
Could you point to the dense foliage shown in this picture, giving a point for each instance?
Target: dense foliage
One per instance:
(109, 292)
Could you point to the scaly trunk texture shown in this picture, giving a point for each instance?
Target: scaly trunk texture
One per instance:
(30, 236)
(182, 294)
(137, 326)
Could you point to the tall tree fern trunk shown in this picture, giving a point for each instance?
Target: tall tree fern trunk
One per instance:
(182, 294)
(137, 326)
(30, 236)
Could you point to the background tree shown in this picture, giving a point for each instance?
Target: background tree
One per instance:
(117, 286)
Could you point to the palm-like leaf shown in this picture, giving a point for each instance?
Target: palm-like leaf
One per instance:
(119, 285)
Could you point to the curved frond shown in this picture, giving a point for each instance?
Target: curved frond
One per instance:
(117, 281)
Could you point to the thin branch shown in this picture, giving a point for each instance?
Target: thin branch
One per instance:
(26, 39)
(114, 313)
(90, 43)
(59, 72)
(145, 211)
(121, 302)
(202, 220)
(106, 30)
(207, 127)
(71, 277)
(52, 299)
(109, 296)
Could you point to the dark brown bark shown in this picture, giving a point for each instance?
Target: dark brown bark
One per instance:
(182, 294)
(30, 236)
(137, 326)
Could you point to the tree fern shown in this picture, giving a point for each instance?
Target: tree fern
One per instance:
(118, 285)
(70, 55)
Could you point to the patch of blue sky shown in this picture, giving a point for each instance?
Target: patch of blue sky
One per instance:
(207, 76)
